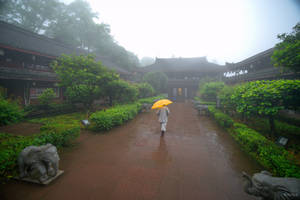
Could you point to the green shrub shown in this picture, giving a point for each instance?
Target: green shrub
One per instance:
(145, 90)
(209, 91)
(268, 154)
(266, 98)
(262, 125)
(52, 109)
(115, 116)
(226, 102)
(107, 119)
(46, 97)
(287, 129)
(4, 136)
(150, 100)
(273, 157)
(10, 112)
(221, 118)
(85, 79)
(120, 91)
(289, 120)
(57, 134)
(3, 92)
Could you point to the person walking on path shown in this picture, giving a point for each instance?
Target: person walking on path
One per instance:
(163, 114)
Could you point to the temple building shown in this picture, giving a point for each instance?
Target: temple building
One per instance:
(184, 74)
(25, 58)
(257, 67)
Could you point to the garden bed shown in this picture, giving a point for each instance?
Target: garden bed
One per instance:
(273, 157)
(58, 130)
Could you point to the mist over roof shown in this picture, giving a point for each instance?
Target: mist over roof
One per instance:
(17, 38)
(195, 64)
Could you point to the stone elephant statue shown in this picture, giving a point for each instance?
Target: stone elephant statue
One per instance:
(267, 187)
(38, 162)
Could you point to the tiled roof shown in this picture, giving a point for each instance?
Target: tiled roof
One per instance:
(15, 37)
(265, 54)
(197, 64)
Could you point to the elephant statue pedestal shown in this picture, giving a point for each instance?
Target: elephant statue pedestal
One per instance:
(39, 164)
(46, 182)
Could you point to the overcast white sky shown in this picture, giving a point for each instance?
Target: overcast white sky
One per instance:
(223, 30)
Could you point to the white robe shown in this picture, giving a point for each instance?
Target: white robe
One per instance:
(163, 117)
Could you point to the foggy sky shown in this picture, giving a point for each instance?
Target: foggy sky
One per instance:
(230, 30)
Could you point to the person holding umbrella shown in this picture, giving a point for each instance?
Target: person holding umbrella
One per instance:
(162, 113)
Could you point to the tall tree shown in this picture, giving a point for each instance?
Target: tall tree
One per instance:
(83, 78)
(34, 15)
(73, 24)
(158, 80)
(287, 52)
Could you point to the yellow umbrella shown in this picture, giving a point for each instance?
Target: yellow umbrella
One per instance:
(161, 103)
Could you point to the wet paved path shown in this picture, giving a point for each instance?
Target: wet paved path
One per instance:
(194, 160)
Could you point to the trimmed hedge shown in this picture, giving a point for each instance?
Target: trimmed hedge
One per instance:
(107, 119)
(145, 90)
(287, 129)
(262, 125)
(273, 157)
(57, 134)
(268, 154)
(221, 118)
(289, 120)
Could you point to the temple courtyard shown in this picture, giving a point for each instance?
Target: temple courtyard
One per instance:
(194, 160)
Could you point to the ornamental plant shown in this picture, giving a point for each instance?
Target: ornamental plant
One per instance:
(10, 112)
(145, 90)
(46, 97)
(120, 91)
(287, 52)
(83, 78)
(266, 98)
(210, 90)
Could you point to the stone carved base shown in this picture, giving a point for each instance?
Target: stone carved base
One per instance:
(27, 179)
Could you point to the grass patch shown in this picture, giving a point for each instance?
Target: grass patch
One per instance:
(72, 118)
(59, 135)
